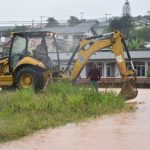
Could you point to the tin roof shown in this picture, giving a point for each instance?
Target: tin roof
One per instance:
(5, 28)
(78, 29)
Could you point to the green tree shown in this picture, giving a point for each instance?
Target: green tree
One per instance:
(125, 20)
(115, 24)
(123, 23)
(52, 22)
(73, 21)
(142, 33)
(126, 25)
(135, 43)
(126, 10)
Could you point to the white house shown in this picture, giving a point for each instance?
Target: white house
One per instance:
(107, 62)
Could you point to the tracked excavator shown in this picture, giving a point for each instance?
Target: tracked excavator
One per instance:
(28, 65)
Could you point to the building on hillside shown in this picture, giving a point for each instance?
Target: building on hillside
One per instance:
(4, 40)
(102, 27)
(40, 25)
(140, 23)
(71, 35)
(5, 28)
(5, 44)
(68, 37)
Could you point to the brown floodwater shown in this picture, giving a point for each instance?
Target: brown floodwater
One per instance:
(125, 131)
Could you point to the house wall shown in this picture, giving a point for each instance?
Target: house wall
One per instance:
(106, 62)
(110, 69)
(141, 65)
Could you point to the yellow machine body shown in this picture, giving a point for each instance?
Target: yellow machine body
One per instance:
(6, 78)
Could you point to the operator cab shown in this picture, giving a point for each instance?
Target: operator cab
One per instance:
(35, 45)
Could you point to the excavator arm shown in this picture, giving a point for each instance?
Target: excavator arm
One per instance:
(115, 40)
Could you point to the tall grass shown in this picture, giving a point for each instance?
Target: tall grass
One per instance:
(23, 112)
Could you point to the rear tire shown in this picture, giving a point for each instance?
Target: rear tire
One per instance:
(29, 77)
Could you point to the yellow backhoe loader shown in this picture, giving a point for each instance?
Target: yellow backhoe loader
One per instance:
(29, 65)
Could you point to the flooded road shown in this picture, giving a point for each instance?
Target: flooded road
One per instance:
(126, 131)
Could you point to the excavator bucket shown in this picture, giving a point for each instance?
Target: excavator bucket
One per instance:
(129, 89)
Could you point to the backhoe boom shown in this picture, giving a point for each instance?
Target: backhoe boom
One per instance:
(115, 40)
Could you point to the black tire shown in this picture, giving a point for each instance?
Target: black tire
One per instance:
(34, 77)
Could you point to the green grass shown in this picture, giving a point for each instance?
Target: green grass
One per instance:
(23, 112)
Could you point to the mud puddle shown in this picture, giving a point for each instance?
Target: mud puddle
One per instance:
(126, 131)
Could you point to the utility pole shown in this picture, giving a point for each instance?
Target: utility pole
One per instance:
(82, 13)
(41, 21)
(107, 16)
(32, 23)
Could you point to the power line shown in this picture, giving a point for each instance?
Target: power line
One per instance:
(38, 21)
(43, 21)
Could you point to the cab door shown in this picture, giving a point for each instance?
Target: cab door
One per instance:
(17, 49)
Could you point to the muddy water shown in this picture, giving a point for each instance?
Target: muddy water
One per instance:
(126, 131)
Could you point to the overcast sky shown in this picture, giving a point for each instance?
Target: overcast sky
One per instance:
(62, 9)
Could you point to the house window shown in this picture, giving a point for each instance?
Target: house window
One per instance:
(101, 68)
(140, 70)
(77, 36)
(140, 67)
(109, 71)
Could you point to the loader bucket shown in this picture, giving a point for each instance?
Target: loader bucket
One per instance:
(129, 90)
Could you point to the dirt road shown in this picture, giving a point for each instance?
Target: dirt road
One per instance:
(126, 131)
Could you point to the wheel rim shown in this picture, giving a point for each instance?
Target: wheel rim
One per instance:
(26, 80)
